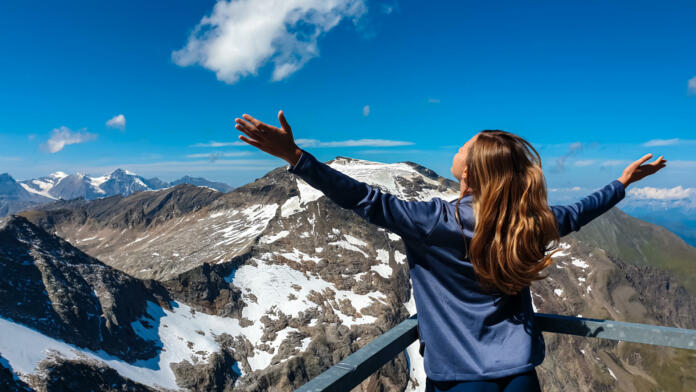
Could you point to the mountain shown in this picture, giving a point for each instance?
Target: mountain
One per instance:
(676, 220)
(13, 197)
(272, 283)
(17, 196)
(199, 181)
(119, 182)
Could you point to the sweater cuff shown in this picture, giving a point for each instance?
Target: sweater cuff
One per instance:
(300, 162)
(620, 188)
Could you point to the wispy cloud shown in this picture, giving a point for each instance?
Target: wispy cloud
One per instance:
(691, 86)
(567, 189)
(219, 144)
(433, 100)
(217, 155)
(669, 142)
(391, 151)
(613, 163)
(573, 148)
(181, 167)
(63, 136)
(118, 122)
(584, 162)
(238, 37)
(366, 110)
(10, 159)
(682, 164)
(352, 143)
(661, 142)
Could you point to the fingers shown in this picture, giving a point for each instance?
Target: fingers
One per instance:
(643, 159)
(256, 124)
(659, 161)
(283, 121)
(250, 141)
(248, 129)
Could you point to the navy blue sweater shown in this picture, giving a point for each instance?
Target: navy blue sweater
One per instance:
(464, 333)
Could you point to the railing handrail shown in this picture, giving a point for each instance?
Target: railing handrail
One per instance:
(359, 365)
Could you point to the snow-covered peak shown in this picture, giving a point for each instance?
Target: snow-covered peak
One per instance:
(58, 175)
(399, 178)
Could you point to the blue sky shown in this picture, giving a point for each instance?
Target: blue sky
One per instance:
(592, 84)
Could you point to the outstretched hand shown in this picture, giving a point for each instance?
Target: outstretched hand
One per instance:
(637, 170)
(276, 141)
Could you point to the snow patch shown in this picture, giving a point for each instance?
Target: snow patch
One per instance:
(579, 263)
(268, 239)
(400, 257)
(307, 192)
(272, 284)
(290, 207)
(383, 269)
(173, 330)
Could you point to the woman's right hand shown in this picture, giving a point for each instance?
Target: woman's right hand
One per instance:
(637, 170)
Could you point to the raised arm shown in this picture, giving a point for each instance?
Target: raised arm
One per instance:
(412, 220)
(573, 217)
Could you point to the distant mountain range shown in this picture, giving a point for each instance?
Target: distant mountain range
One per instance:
(680, 220)
(19, 195)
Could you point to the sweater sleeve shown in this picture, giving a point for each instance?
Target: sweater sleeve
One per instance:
(409, 219)
(572, 217)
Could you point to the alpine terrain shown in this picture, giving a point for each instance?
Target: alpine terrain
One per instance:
(19, 195)
(266, 286)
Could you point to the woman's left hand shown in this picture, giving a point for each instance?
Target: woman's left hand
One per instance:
(276, 141)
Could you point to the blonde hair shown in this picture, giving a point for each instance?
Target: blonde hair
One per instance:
(515, 227)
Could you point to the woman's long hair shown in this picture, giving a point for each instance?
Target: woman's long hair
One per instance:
(515, 227)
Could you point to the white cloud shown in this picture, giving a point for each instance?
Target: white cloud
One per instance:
(569, 189)
(677, 198)
(219, 144)
(63, 136)
(661, 142)
(662, 193)
(238, 37)
(352, 143)
(366, 110)
(118, 122)
(433, 100)
(691, 85)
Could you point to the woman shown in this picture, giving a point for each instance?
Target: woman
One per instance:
(470, 276)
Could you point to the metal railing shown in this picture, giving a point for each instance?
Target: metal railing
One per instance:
(356, 367)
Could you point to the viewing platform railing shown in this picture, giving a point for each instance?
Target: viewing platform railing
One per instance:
(356, 367)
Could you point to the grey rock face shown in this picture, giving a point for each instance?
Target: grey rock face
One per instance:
(79, 375)
(53, 287)
(8, 380)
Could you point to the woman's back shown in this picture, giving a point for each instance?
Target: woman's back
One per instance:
(465, 334)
